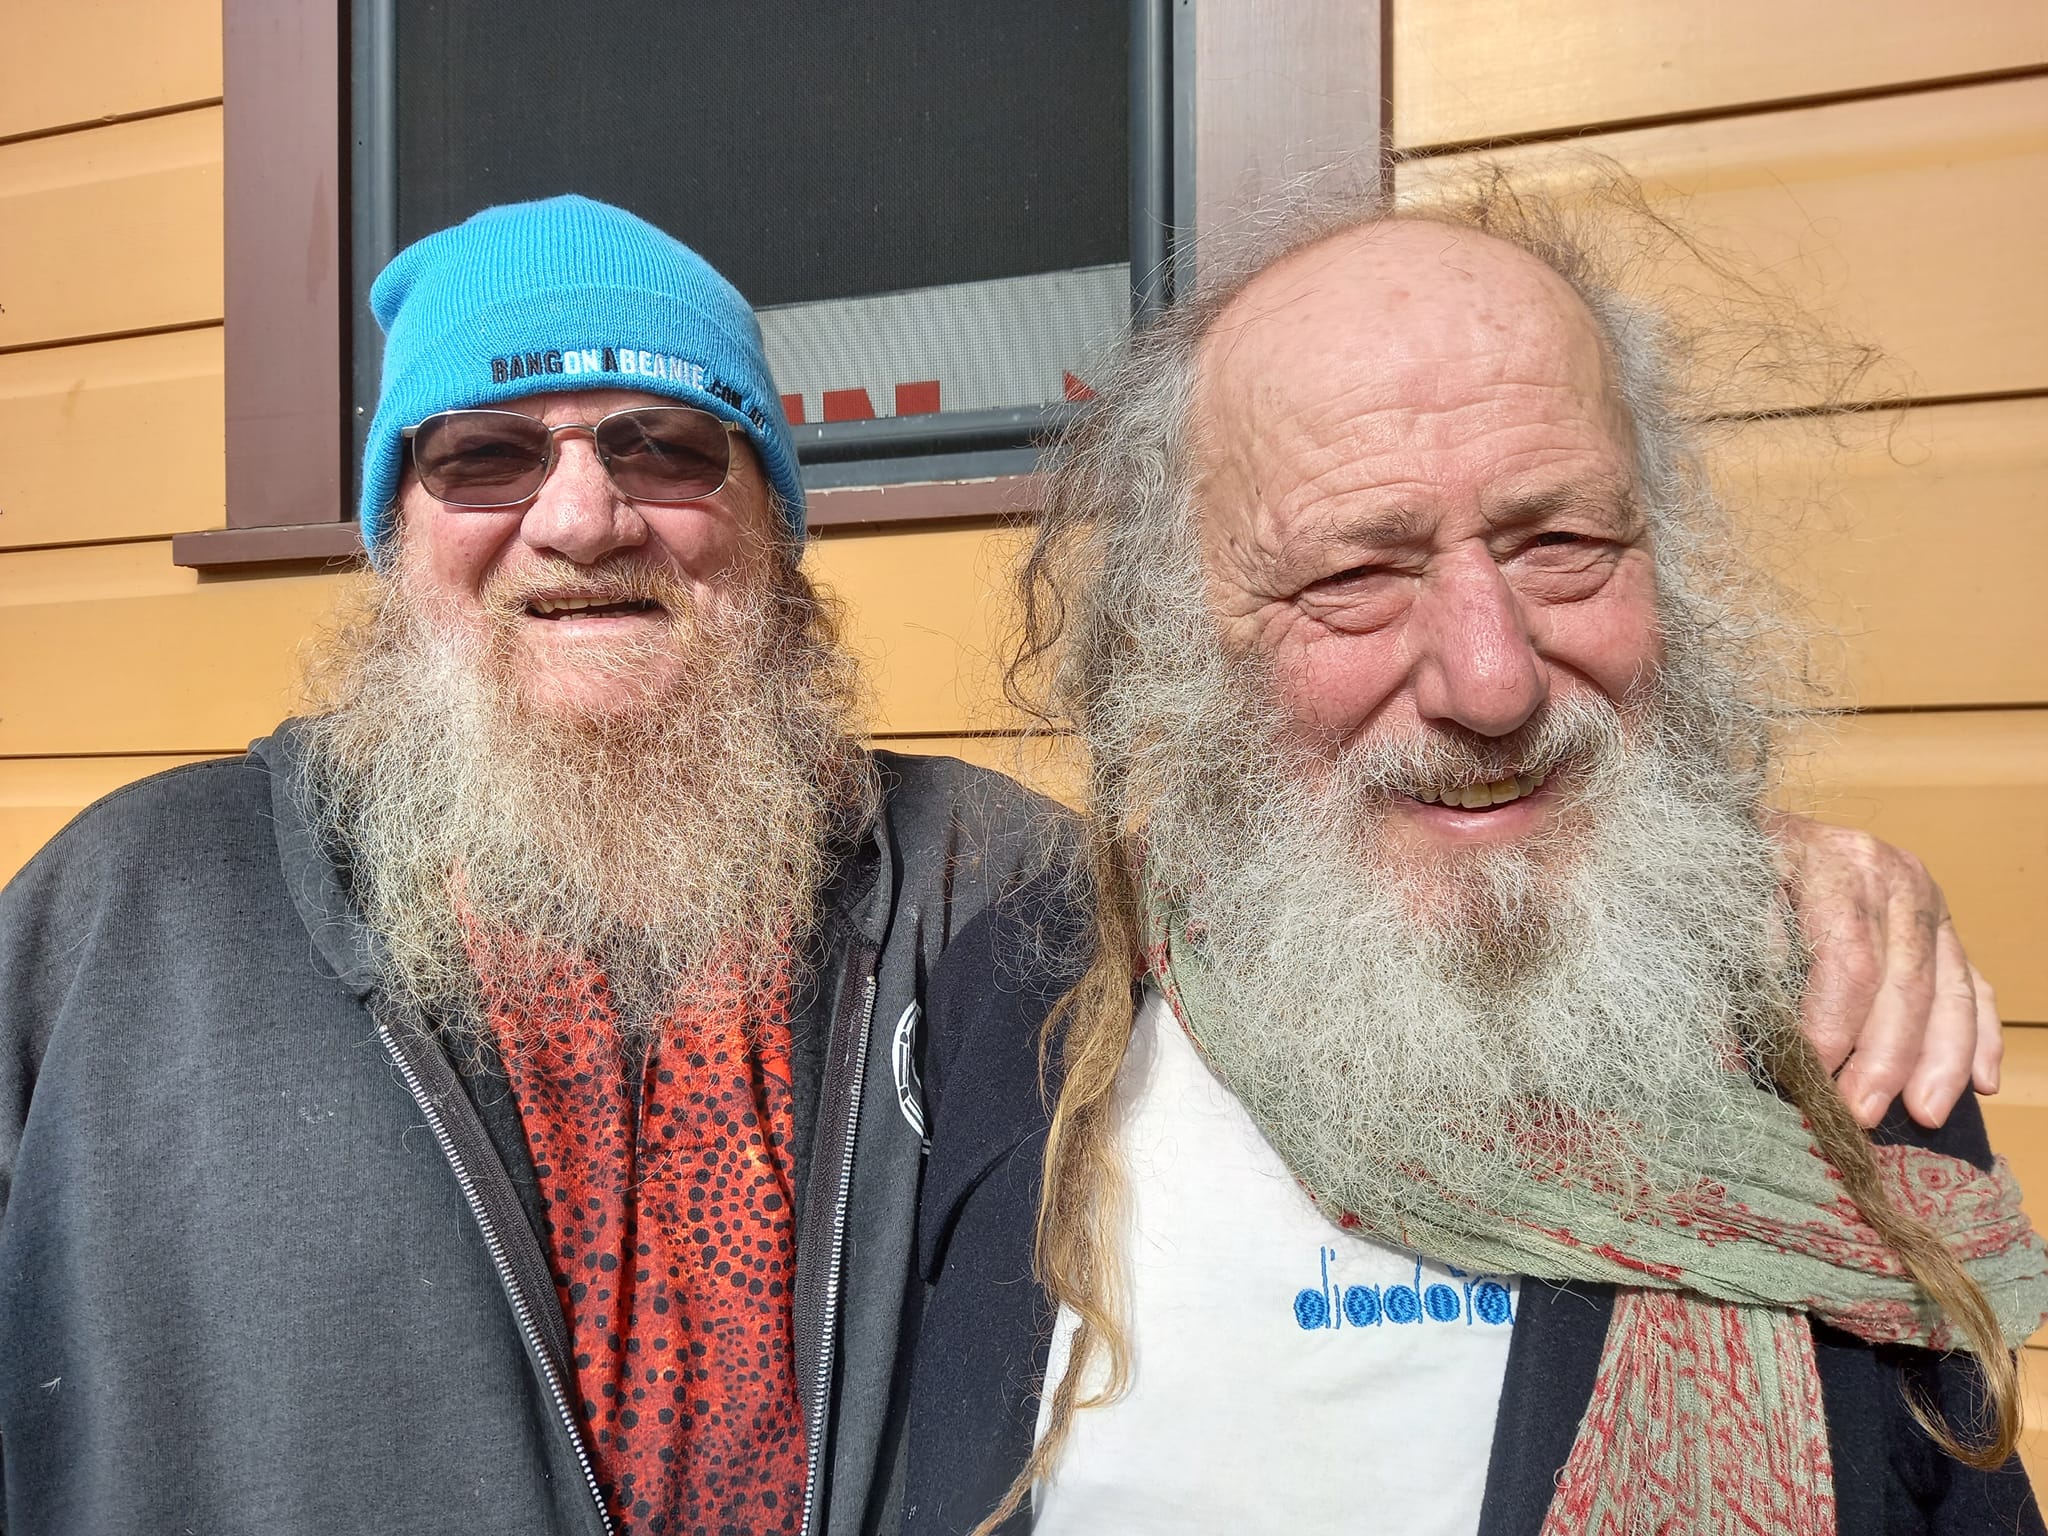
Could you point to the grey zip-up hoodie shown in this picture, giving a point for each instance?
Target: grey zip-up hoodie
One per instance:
(269, 1263)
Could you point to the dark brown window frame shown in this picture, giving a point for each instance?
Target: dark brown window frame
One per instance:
(285, 274)
(1278, 98)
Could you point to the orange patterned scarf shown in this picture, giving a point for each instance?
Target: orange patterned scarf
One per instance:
(673, 1240)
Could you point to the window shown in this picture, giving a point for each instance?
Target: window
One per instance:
(929, 205)
(941, 212)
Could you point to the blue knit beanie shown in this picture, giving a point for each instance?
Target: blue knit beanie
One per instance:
(562, 294)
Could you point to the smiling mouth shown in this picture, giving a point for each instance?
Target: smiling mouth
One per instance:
(574, 608)
(1486, 796)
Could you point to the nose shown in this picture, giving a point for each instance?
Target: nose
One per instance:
(1476, 664)
(578, 513)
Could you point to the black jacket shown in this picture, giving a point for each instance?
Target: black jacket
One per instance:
(268, 1263)
(981, 1354)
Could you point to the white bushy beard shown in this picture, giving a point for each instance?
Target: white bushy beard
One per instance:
(678, 838)
(1589, 988)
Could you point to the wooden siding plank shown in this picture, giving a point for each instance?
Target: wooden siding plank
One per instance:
(1918, 538)
(1908, 222)
(39, 795)
(75, 63)
(927, 614)
(112, 649)
(1968, 792)
(1466, 70)
(111, 229)
(111, 440)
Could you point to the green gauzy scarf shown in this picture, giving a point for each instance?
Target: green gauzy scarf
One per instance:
(1706, 1414)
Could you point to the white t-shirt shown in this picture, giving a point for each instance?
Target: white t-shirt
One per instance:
(1286, 1375)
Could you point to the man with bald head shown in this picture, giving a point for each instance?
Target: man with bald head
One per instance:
(1462, 1167)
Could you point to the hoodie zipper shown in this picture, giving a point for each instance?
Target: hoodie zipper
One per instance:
(522, 1309)
(828, 1330)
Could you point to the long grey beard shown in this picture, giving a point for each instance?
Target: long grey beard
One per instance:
(1592, 986)
(683, 841)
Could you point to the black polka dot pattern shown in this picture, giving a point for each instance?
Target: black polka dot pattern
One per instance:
(674, 1247)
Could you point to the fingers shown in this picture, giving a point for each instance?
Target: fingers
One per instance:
(1841, 906)
(1895, 1036)
(1990, 1059)
(1859, 1004)
(1846, 939)
(1892, 1005)
(1949, 1050)
(1884, 1056)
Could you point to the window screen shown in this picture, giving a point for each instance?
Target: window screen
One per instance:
(928, 203)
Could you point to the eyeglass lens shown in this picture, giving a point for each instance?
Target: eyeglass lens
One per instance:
(661, 453)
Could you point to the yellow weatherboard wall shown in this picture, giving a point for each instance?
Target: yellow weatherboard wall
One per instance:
(1882, 159)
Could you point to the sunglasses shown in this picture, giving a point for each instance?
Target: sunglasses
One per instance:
(485, 459)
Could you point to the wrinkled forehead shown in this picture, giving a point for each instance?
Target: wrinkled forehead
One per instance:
(1404, 316)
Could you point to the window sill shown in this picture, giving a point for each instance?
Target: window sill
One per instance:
(861, 508)
(299, 544)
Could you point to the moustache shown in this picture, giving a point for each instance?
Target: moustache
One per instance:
(1572, 736)
(508, 596)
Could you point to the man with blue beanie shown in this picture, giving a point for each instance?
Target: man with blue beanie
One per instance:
(503, 1100)
(492, 1104)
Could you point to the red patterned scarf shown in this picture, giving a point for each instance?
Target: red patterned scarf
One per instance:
(673, 1239)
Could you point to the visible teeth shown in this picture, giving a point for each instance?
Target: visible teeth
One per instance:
(1476, 797)
(551, 605)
